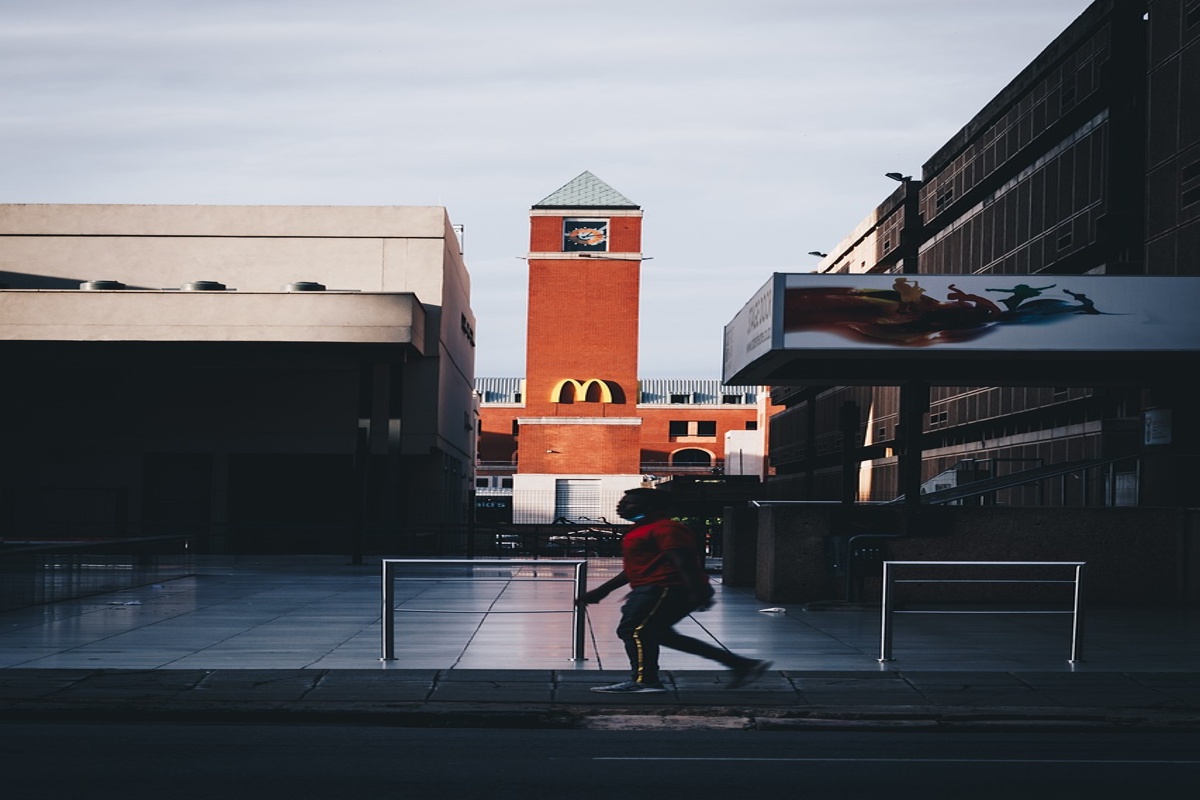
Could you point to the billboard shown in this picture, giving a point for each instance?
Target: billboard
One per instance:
(915, 319)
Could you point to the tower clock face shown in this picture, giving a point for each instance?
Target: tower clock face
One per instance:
(585, 235)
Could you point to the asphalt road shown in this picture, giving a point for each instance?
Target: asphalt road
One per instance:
(227, 762)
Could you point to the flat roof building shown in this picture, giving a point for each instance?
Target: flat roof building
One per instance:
(263, 378)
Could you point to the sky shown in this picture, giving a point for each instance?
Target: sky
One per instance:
(749, 131)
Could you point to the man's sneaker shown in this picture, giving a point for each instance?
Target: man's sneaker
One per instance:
(630, 687)
(748, 673)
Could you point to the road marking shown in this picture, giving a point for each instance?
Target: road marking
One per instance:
(914, 760)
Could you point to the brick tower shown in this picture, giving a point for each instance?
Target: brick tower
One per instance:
(581, 427)
(581, 359)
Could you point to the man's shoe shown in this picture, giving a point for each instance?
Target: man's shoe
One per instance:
(630, 687)
(748, 673)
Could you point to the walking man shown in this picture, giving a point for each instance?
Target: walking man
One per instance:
(661, 565)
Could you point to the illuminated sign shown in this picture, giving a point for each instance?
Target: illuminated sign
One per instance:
(586, 235)
(592, 390)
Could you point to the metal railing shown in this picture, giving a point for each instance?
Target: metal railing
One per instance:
(889, 600)
(36, 572)
(391, 566)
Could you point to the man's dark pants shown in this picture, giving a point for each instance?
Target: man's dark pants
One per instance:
(647, 624)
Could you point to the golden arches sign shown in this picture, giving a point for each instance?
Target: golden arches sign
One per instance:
(592, 390)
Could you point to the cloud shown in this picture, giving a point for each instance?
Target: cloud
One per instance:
(751, 131)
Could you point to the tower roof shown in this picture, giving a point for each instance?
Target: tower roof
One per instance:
(586, 191)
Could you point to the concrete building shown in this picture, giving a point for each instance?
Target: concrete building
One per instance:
(265, 379)
(580, 428)
(1087, 163)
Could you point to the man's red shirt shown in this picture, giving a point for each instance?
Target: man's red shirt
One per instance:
(644, 548)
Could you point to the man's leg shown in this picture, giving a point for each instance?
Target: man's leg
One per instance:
(656, 629)
(639, 629)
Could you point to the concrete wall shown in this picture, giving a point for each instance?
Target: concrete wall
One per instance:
(1133, 555)
(249, 248)
(57, 315)
(261, 249)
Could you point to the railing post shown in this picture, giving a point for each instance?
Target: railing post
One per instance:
(579, 612)
(1077, 618)
(885, 637)
(388, 617)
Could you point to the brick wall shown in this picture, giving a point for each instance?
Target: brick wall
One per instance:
(575, 449)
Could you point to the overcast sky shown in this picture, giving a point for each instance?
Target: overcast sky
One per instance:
(750, 131)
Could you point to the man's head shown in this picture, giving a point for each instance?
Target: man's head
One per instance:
(637, 504)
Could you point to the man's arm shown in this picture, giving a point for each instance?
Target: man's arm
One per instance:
(603, 590)
(684, 561)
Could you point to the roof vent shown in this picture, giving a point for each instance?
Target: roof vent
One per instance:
(304, 286)
(101, 285)
(203, 286)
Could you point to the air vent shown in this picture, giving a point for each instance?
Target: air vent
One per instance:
(304, 286)
(203, 286)
(101, 285)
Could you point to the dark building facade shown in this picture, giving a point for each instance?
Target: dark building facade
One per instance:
(1088, 162)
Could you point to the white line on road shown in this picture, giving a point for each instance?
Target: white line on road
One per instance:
(915, 760)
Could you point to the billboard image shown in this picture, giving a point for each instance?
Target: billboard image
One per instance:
(919, 317)
(908, 314)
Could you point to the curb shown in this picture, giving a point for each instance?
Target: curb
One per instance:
(445, 715)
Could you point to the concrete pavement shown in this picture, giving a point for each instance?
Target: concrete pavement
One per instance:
(298, 639)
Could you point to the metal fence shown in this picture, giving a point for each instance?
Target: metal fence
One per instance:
(889, 595)
(466, 570)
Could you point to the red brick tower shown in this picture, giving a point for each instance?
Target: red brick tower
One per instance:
(581, 388)
(581, 428)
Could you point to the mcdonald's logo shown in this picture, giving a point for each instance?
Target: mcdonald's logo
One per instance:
(592, 390)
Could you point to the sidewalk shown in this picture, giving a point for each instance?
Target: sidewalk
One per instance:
(298, 638)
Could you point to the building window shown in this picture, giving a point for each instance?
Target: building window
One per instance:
(731, 399)
(692, 429)
(680, 399)
(692, 457)
(482, 483)
(751, 424)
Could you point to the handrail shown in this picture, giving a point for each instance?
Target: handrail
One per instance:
(392, 565)
(989, 485)
(888, 610)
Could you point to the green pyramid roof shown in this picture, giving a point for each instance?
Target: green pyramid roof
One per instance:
(587, 191)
